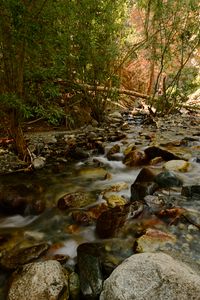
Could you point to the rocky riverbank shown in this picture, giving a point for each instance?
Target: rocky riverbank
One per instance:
(100, 203)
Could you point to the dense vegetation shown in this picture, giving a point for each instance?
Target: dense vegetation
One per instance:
(54, 52)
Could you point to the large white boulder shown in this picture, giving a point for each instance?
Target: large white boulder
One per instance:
(150, 276)
(39, 281)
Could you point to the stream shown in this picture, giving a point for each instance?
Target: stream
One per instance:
(93, 176)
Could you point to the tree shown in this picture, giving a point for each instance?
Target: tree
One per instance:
(172, 31)
(20, 25)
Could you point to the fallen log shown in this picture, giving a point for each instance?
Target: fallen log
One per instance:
(105, 89)
(113, 89)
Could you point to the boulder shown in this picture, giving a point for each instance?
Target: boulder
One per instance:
(177, 165)
(41, 280)
(143, 185)
(112, 151)
(153, 240)
(89, 265)
(135, 158)
(114, 200)
(168, 179)
(191, 191)
(75, 200)
(152, 276)
(154, 151)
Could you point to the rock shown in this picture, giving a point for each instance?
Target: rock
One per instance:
(41, 280)
(92, 213)
(82, 218)
(134, 158)
(19, 255)
(114, 252)
(93, 173)
(74, 286)
(39, 162)
(154, 203)
(14, 199)
(130, 148)
(191, 191)
(115, 149)
(154, 240)
(152, 276)
(110, 221)
(75, 200)
(116, 116)
(156, 160)
(143, 185)
(117, 187)
(89, 266)
(114, 200)
(177, 165)
(168, 179)
(152, 152)
(125, 126)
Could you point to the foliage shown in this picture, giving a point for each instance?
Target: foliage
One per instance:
(172, 29)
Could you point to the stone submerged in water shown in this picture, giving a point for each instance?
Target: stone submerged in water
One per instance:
(18, 256)
(177, 165)
(143, 185)
(153, 240)
(41, 280)
(75, 200)
(154, 151)
(135, 158)
(168, 179)
(152, 276)
(90, 271)
(191, 191)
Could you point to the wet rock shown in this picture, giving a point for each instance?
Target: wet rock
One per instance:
(154, 240)
(177, 165)
(93, 173)
(115, 149)
(154, 203)
(110, 221)
(168, 179)
(117, 136)
(152, 152)
(78, 153)
(143, 185)
(92, 214)
(152, 276)
(116, 116)
(15, 198)
(41, 280)
(75, 200)
(115, 251)
(130, 148)
(135, 158)
(191, 191)
(82, 218)
(117, 187)
(156, 160)
(114, 200)
(19, 256)
(90, 271)
(74, 286)
(39, 162)
(125, 126)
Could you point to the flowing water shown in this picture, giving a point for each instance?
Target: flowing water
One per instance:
(53, 225)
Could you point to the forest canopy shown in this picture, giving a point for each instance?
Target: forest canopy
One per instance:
(69, 53)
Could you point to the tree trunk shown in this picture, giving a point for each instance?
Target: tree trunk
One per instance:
(17, 135)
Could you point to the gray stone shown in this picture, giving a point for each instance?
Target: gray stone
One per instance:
(150, 276)
(41, 280)
(39, 162)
